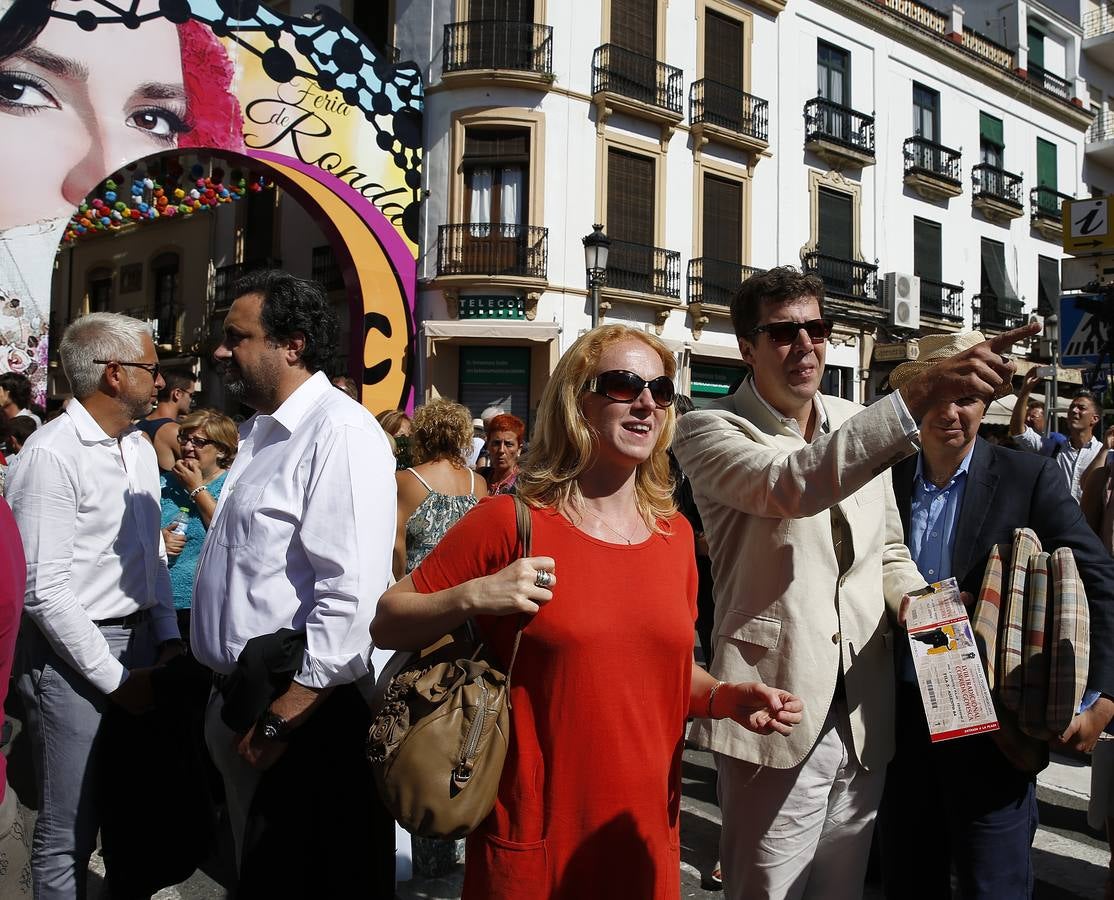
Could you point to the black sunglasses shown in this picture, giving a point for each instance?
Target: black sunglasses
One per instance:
(625, 387)
(782, 333)
(198, 442)
(150, 368)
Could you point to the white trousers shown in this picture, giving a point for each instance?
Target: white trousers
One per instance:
(799, 833)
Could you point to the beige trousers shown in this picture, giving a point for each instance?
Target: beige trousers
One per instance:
(802, 833)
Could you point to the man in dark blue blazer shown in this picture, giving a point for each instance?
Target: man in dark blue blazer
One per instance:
(962, 802)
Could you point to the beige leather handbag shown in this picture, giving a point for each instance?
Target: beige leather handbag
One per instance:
(441, 726)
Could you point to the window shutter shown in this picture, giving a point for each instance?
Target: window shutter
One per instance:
(990, 130)
(1048, 285)
(834, 230)
(1046, 163)
(498, 10)
(723, 50)
(994, 279)
(723, 219)
(630, 197)
(491, 147)
(1036, 47)
(634, 26)
(927, 262)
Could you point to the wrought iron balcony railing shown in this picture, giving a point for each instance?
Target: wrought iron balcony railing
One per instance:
(998, 184)
(642, 78)
(225, 278)
(940, 299)
(644, 269)
(849, 279)
(997, 314)
(517, 46)
(1054, 84)
(1098, 22)
(483, 248)
(1102, 128)
(727, 107)
(716, 281)
(828, 121)
(923, 156)
(1046, 203)
(324, 268)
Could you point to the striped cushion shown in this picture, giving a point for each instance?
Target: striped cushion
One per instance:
(1069, 640)
(1011, 629)
(985, 621)
(1034, 659)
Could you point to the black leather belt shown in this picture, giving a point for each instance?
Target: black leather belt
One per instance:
(129, 621)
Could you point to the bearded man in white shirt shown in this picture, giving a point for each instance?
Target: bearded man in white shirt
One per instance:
(301, 540)
(99, 610)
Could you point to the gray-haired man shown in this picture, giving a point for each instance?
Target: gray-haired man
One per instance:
(99, 612)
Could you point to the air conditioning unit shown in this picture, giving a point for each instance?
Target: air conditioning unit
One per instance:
(903, 298)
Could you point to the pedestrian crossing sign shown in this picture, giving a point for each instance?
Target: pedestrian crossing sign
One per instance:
(1082, 335)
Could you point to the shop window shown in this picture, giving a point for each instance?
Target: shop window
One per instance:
(710, 382)
(491, 376)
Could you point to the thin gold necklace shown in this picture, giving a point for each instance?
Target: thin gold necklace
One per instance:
(608, 527)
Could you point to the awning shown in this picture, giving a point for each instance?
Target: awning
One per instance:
(492, 330)
(716, 351)
(1000, 411)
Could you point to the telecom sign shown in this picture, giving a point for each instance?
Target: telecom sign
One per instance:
(1087, 226)
(1082, 335)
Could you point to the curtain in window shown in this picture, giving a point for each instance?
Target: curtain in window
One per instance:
(510, 200)
(479, 212)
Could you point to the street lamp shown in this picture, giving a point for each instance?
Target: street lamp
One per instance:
(595, 264)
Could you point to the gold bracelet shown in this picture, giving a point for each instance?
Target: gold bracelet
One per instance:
(712, 696)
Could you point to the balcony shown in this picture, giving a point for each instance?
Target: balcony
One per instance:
(512, 52)
(838, 134)
(1098, 36)
(225, 278)
(638, 85)
(1100, 140)
(942, 301)
(844, 279)
(1046, 211)
(492, 252)
(725, 114)
(1045, 80)
(711, 285)
(996, 193)
(932, 170)
(993, 315)
(324, 269)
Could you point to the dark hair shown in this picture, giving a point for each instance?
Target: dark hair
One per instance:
(19, 386)
(294, 306)
(21, 428)
(175, 381)
(23, 23)
(1081, 394)
(771, 287)
(1034, 402)
(506, 422)
(683, 404)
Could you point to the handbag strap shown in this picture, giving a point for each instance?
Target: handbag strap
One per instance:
(525, 535)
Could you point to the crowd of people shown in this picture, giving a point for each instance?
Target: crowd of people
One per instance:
(161, 547)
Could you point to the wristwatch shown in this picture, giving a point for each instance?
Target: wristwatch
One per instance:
(274, 727)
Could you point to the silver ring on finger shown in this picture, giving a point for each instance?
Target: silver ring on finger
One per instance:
(543, 579)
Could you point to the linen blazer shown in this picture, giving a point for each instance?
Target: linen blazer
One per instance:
(1008, 489)
(783, 613)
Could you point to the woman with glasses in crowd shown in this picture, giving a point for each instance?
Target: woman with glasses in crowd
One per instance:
(589, 801)
(207, 443)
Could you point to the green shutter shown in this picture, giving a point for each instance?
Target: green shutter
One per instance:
(1036, 47)
(990, 130)
(1046, 163)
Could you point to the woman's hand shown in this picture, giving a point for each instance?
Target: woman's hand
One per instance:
(174, 542)
(188, 472)
(513, 589)
(757, 707)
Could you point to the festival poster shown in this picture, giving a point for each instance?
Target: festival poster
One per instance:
(88, 87)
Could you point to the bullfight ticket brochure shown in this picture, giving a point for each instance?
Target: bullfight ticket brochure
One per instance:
(950, 675)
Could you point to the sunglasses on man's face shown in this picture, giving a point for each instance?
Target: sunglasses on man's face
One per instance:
(782, 333)
(626, 387)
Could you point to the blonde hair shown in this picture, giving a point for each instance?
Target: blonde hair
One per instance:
(442, 430)
(391, 420)
(563, 443)
(218, 427)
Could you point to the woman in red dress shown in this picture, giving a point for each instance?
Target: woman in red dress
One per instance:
(589, 800)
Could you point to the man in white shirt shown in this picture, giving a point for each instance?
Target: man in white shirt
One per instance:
(301, 540)
(99, 610)
(1073, 453)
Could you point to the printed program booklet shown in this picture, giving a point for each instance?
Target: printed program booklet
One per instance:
(956, 698)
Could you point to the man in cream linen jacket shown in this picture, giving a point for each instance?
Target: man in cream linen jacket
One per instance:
(810, 571)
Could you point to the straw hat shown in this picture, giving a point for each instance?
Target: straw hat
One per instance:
(936, 347)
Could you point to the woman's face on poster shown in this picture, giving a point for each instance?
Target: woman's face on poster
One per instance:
(75, 106)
